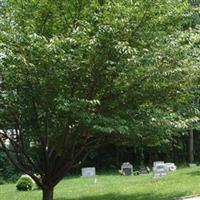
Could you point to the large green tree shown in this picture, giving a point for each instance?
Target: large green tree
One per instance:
(73, 72)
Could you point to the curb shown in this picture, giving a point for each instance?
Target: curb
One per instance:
(186, 197)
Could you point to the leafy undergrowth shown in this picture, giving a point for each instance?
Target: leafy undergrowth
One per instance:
(183, 182)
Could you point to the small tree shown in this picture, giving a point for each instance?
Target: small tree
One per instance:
(73, 72)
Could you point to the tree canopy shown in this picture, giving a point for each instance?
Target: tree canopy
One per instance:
(74, 72)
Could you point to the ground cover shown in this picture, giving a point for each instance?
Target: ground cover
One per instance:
(183, 182)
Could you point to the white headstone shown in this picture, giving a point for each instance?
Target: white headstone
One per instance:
(170, 167)
(88, 172)
(157, 163)
(192, 165)
(160, 170)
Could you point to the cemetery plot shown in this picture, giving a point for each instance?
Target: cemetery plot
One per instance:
(88, 172)
(161, 169)
(170, 167)
(143, 170)
(127, 169)
(192, 165)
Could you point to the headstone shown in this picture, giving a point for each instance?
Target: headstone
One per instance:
(170, 167)
(143, 170)
(192, 165)
(127, 169)
(160, 170)
(157, 163)
(88, 172)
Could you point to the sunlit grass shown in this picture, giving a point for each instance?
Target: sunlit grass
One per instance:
(115, 187)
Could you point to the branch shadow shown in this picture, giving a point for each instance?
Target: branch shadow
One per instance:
(141, 196)
(194, 173)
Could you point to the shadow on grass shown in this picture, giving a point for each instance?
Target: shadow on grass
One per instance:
(141, 196)
(194, 173)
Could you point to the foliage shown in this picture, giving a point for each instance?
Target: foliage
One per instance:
(74, 73)
(2, 181)
(24, 183)
(7, 171)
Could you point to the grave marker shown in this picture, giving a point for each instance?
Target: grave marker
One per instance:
(127, 169)
(143, 170)
(88, 172)
(157, 163)
(193, 165)
(160, 170)
(170, 167)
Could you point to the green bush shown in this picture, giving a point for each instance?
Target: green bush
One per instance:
(25, 183)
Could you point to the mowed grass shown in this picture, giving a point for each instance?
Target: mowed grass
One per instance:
(183, 182)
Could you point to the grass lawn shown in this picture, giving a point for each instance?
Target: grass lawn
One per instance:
(114, 187)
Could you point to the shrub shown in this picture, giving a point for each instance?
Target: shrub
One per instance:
(25, 183)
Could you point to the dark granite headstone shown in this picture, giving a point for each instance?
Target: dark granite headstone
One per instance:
(127, 169)
(143, 170)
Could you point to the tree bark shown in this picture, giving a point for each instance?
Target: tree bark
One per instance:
(117, 163)
(191, 146)
(47, 194)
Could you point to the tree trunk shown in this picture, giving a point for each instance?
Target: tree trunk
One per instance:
(191, 146)
(47, 194)
(141, 156)
(117, 162)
